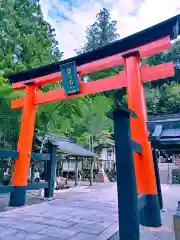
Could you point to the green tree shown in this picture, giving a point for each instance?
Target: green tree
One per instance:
(26, 40)
(173, 54)
(58, 117)
(100, 33)
(92, 123)
(164, 99)
(163, 95)
(9, 120)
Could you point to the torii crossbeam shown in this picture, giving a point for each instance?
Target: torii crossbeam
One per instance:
(127, 51)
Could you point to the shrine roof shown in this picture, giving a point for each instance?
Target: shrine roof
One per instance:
(164, 118)
(165, 132)
(66, 145)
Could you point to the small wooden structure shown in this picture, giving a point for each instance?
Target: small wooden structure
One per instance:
(72, 160)
(105, 150)
(165, 135)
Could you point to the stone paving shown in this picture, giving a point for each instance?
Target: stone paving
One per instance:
(83, 213)
(33, 196)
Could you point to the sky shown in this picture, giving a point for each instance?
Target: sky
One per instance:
(70, 18)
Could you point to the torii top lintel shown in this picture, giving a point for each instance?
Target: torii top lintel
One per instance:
(147, 42)
(170, 27)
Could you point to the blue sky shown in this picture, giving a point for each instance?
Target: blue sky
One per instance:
(70, 18)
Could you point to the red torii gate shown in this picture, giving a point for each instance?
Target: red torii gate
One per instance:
(130, 78)
(133, 78)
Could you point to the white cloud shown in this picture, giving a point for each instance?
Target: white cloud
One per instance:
(154, 11)
(131, 15)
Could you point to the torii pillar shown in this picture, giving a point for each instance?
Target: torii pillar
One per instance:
(149, 209)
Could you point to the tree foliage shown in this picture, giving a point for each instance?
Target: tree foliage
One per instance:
(163, 96)
(26, 40)
(94, 123)
(34, 45)
(100, 33)
(172, 55)
(164, 99)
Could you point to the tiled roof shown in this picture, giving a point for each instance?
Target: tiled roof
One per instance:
(164, 117)
(66, 145)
